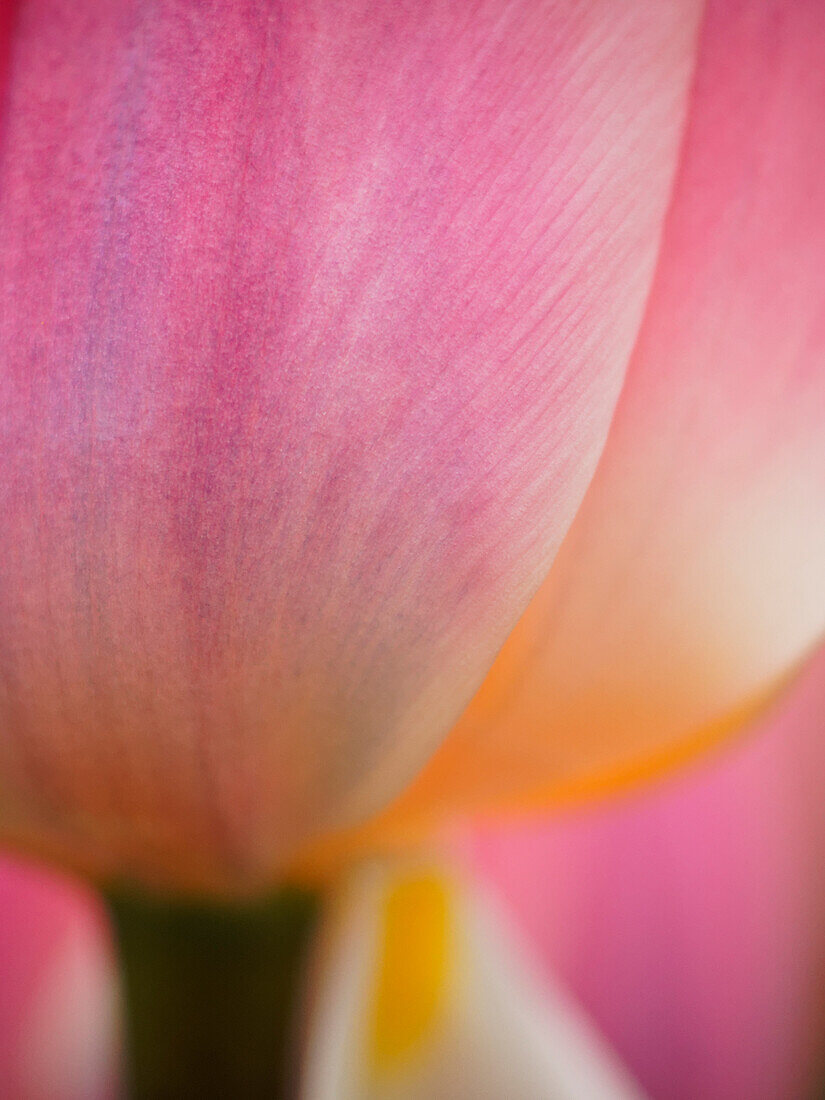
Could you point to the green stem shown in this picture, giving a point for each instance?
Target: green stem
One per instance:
(211, 994)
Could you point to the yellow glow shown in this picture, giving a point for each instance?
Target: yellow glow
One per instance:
(412, 970)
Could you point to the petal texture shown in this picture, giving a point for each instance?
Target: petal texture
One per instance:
(692, 580)
(691, 922)
(313, 317)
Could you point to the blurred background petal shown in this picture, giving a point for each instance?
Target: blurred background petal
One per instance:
(423, 992)
(58, 992)
(314, 317)
(690, 919)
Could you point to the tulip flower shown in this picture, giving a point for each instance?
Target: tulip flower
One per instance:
(314, 319)
(322, 326)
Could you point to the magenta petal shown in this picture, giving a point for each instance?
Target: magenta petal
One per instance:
(313, 319)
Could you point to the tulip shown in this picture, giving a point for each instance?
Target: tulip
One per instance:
(314, 318)
(322, 325)
(262, 539)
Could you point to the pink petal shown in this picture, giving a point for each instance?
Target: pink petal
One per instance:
(313, 317)
(692, 580)
(57, 990)
(691, 922)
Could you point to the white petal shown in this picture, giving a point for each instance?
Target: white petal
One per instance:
(423, 993)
